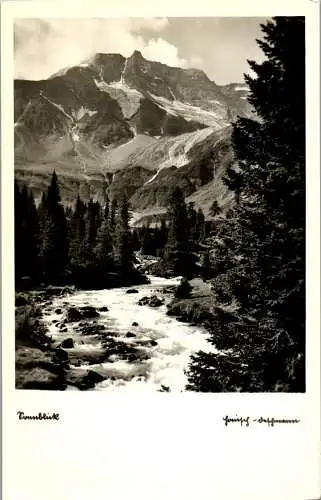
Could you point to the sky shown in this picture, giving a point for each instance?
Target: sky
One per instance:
(219, 46)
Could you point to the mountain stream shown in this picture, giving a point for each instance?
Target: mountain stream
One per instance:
(163, 344)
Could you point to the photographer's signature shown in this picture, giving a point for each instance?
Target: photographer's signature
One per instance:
(269, 421)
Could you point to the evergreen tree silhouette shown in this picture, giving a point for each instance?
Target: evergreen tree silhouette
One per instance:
(27, 237)
(77, 234)
(261, 245)
(178, 256)
(123, 248)
(54, 237)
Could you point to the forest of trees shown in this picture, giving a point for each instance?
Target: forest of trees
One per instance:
(88, 245)
(92, 246)
(258, 253)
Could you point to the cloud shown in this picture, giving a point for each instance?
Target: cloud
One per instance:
(44, 46)
(150, 24)
(162, 51)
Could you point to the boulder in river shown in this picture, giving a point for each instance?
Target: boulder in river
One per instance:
(155, 301)
(164, 388)
(132, 290)
(135, 323)
(61, 355)
(89, 312)
(73, 315)
(143, 301)
(152, 301)
(103, 309)
(90, 380)
(130, 335)
(82, 324)
(91, 329)
(147, 343)
(83, 381)
(67, 343)
(58, 311)
(137, 356)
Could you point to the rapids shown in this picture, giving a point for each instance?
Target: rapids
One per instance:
(166, 358)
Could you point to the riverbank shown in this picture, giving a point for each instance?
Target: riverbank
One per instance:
(201, 308)
(197, 307)
(38, 365)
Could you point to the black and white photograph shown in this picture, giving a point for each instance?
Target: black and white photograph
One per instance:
(160, 204)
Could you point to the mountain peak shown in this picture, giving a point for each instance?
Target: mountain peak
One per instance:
(137, 55)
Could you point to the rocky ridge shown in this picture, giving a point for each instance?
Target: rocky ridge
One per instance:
(113, 124)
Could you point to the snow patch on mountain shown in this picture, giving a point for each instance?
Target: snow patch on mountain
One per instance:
(19, 120)
(178, 148)
(216, 102)
(190, 112)
(127, 98)
(122, 75)
(172, 94)
(116, 158)
(243, 88)
(82, 111)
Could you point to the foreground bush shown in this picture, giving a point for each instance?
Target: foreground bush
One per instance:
(183, 290)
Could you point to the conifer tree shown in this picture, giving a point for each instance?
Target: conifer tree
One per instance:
(262, 242)
(77, 234)
(26, 234)
(99, 215)
(183, 290)
(42, 211)
(162, 237)
(92, 221)
(192, 217)
(136, 240)
(178, 257)
(123, 249)
(18, 232)
(104, 249)
(106, 209)
(215, 209)
(200, 225)
(112, 215)
(54, 237)
(147, 241)
(32, 247)
(205, 265)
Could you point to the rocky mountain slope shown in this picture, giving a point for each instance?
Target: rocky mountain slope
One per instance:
(114, 125)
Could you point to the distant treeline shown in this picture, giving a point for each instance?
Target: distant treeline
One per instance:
(90, 245)
(87, 245)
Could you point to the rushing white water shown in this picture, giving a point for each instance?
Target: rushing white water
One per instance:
(166, 359)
